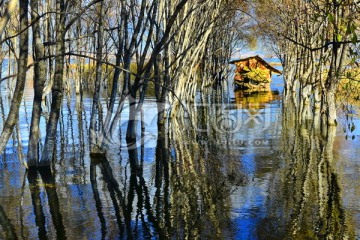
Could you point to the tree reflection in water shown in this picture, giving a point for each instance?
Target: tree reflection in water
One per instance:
(183, 186)
(201, 186)
(255, 100)
(7, 228)
(305, 200)
(191, 196)
(45, 178)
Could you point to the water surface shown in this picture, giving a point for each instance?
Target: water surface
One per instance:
(241, 166)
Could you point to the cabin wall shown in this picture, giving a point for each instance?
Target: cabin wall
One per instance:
(252, 64)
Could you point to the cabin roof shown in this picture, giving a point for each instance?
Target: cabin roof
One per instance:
(259, 59)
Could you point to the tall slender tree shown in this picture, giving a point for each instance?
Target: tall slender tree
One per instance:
(57, 88)
(39, 83)
(13, 115)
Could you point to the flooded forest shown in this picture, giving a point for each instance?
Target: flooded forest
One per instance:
(179, 119)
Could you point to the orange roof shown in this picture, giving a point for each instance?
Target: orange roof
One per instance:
(259, 59)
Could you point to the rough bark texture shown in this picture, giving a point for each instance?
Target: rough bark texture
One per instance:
(95, 114)
(13, 115)
(57, 87)
(39, 82)
(4, 20)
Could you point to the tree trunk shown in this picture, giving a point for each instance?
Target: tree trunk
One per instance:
(1, 60)
(115, 82)
(7, 16)
(21, 76)
(329, 106)
(132, 123)
(57, 87)
(94, 144)
(39, 82)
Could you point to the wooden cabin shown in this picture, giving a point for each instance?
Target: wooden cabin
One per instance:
(253, 73)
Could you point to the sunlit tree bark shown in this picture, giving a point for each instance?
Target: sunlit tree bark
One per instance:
(191, 44)
(313, 40)
(11, 7)
(96, 125)
(57, 87)
(13, 115)
(39, 82)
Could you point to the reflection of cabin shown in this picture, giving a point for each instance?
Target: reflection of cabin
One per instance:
(253, 73)
(255, 100)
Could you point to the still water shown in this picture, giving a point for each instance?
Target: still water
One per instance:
(240, 166)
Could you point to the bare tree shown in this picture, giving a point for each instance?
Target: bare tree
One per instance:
(313, 40)
(39, 83)
(57, 87)
(96, 109)
(13, 115)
